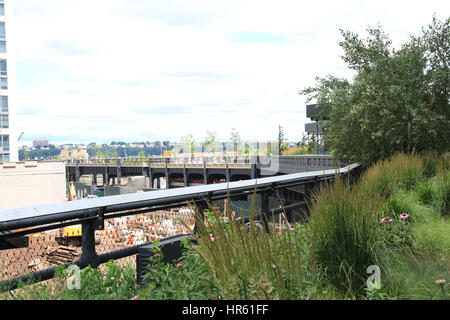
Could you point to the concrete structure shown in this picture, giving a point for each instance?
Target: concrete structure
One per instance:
(8, 130)
(74, 154)
(184, 172)
(31, 183)
(42, 143)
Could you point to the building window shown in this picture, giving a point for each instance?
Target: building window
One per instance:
(4, 104)
(2, 46)
(4, 122)
(2, 30)
(2, 9)
(4, 158)
(4, 84)
(3, 70)
(4, 143)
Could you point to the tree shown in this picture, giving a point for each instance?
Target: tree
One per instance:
(210, 143)
(235, 139)
(398, 100)
(282, 145)
(187, 143)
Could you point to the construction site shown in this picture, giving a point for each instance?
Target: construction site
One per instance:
(56, 247)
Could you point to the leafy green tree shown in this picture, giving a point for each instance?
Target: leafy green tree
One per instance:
(398, 100)
(187, 143)
(210, 144)
(282, 144)
(235, 139)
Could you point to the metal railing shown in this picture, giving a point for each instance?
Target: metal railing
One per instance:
(96, 215)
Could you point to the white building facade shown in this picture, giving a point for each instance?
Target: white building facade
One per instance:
(8, 131)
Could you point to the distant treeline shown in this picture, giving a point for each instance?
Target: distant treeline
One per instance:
(111, 152)
(102, 152)
(38, 154)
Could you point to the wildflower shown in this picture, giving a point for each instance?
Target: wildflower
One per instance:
(135, 298)
(383, 220)
(404, 216)
(211, 237)
(274, 266)
(390, 220)
(440, 282)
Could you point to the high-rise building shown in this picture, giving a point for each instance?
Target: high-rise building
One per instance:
(8, 135)
(41, 143)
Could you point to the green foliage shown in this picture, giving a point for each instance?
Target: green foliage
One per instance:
(401, 202)
(378, 292)
(282, 144)
(424, 192)
(347, 240)
(115, 283)
(398, 100)
(245, 262)
(398, 233)
(441, 191)
(188, 279)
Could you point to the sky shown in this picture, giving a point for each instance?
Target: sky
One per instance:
(146, 70)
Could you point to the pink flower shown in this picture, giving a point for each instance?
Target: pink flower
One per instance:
(211, 237)
(404, 216)
(134, 298)
(383, 220)
(440, 282)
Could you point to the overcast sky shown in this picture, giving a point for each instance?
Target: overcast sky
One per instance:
(142, 70)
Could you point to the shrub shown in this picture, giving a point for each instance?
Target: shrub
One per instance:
(425, 192)
(441, 192)
(402, 202)
(247, 263)
(115, 283)
(346, 238)
(187, 279)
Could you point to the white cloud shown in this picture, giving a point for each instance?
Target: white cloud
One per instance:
(143, 70)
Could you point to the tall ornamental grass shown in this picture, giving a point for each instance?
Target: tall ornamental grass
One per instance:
(245, 262)
(344, 222)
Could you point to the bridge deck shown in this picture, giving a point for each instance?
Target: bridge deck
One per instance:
(169, 165)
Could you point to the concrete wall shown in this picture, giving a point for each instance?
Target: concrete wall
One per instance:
(30, 183)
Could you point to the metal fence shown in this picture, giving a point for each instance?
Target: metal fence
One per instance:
(34, 240)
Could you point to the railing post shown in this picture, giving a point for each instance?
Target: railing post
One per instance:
(205, 172)
(253, 162)
(119, 173)
(106, 176)
(89, 255)
(167, 173)
(77, 171)
(185, 177)
(150, 173)
(265, 210)
(201, 206)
